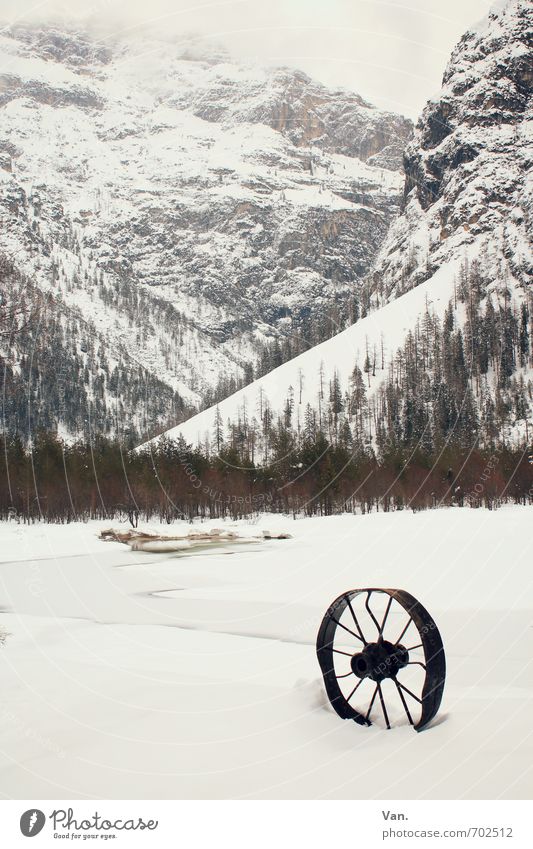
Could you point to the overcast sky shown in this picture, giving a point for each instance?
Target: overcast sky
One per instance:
(393, 52)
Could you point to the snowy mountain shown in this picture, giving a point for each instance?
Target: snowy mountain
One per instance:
(446, 347)
(185, 208)
(468, 187)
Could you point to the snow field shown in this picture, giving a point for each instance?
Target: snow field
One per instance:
(135, 675)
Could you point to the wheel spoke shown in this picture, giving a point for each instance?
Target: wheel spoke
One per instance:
(385, 617)
(367, 605)
(354, 689)
(347, 653)
(412, 648)
(410, 693)
(416, 663)
(404, 630)
(354, 617)
(344, 676)
(357, 637)
(371, 703)
(383, 708)
(404, 703)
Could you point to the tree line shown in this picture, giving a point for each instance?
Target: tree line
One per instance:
(105, 479)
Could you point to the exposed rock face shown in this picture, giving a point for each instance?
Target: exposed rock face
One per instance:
(244, 198)
(74, 49)
(307, 113)
(468, 167)
(13, 87)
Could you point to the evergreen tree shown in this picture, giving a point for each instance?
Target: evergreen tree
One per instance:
(524, 335)
(218, 430)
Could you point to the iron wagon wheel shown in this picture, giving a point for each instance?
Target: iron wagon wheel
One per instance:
(363, 652)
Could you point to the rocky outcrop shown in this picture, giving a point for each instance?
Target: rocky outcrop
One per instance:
(13, 87)
(307, 113)
(76, 50)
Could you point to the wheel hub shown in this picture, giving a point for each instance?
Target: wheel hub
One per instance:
(379, 660)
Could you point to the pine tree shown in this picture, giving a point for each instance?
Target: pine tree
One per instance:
(335, 398)
(524, 335)
(507, 351)
(310, 425)
(218, 430)
(289, 407)
(345, 435)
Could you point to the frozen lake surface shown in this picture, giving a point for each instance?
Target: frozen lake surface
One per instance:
(163, 675)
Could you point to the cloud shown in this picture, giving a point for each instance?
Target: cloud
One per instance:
(391, 52)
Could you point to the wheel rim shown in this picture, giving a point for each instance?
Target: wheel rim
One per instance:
(380, 648)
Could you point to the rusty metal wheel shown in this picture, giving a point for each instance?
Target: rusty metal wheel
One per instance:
(381, 646)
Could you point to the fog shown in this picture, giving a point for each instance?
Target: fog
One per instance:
(391, 52)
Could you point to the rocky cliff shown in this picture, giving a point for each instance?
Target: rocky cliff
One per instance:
(468, 188)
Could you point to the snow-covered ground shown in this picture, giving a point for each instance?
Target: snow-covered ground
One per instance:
(135, 675)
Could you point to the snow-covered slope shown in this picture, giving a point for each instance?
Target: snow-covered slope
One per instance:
(469, 180)
(138, 173)
(307, 377)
